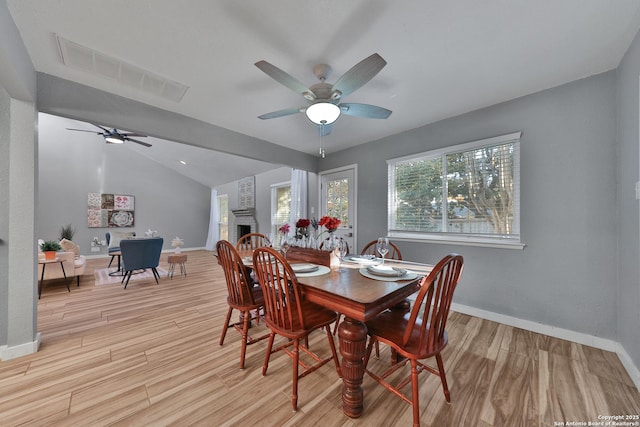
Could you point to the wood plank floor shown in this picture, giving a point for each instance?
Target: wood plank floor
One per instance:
(149, 355)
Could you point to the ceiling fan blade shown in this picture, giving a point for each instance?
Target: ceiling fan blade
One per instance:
(281, 113)
(84, 130)
(359, 74)
(103, 128)
(364, 110)
(137, 142)
(137, 135)
(325, 129)
(284, 78)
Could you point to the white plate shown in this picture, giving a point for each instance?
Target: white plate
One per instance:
(361, 259)
(385, 271)
(304, 268)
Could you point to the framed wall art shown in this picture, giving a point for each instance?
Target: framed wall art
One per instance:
(110, 210)
(246, 193)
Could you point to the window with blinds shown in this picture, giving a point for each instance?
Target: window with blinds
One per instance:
(465, 193)
(223, 217)
(280, 207)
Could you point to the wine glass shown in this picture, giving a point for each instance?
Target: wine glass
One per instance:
(383, 247)
(269, 238)
(284, 246)
(343, 248)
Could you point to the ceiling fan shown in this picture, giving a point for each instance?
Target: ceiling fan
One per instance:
(114, 136)
(325, 98)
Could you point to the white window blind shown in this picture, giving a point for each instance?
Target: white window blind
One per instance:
(465, 193)
(280, 207)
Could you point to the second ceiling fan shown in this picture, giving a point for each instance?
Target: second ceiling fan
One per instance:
(115, 136)
(325, 98)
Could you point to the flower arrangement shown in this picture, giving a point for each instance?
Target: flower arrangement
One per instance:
(177, 243)
(284, 229)
(330, 223)
(302, 228)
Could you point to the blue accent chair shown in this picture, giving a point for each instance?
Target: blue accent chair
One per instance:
(114, 251)
(139, 254)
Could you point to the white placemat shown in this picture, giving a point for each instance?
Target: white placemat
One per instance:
(409, 276)
(319, 272)
(362, 260)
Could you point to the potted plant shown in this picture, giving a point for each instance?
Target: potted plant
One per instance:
(67, 232)
(49, 248)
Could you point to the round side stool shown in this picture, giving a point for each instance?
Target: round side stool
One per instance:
(179, 259)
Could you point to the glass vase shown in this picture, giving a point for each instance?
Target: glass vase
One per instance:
(330, 243)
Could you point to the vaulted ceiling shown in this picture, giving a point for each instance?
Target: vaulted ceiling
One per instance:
(443, 58)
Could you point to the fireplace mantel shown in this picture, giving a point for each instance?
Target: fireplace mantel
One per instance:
(244, 217)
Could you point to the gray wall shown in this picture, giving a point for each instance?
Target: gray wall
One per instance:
(73, 164)
(565, 277)
(628, 212)
(18, 187)
(263, 195)
(4, 213)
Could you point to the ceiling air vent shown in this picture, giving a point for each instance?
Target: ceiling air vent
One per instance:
(97, 63)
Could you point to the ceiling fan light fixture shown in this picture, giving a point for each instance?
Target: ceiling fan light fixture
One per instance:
(323, 113)
(114, 139)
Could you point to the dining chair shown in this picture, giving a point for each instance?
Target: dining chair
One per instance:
(242, 296)
(421, 334)
(370, 249)
(139, 254)
(113, 245)
(251, 241)
(289, 315)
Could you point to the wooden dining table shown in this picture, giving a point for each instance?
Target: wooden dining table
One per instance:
(359, 298)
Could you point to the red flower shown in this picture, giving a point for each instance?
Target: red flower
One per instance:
(323, 221)
(303, 223)
(284, 229)
(331, 223)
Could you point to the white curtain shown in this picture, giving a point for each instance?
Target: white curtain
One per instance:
(214, 233)
(298, 196)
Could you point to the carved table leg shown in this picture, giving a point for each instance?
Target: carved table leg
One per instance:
(352, 335)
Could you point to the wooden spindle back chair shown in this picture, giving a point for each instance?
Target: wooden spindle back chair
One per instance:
(289, 315)
(370, 249)
(242, 296)
(420, 335)
(251, 241)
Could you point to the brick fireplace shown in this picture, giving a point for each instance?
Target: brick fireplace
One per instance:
(245, 222)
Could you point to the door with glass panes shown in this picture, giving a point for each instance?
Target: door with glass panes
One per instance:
(338, 196)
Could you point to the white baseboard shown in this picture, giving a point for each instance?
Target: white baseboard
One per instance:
(565, 334)
(628, 364)
(8, 353)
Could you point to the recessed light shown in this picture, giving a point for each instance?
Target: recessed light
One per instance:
(183, 162)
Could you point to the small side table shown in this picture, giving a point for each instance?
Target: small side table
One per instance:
(44, 263)
(179, 259)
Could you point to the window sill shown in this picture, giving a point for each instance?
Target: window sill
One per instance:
(458, 240)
